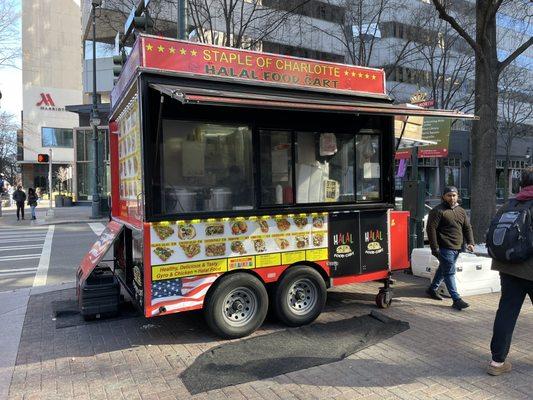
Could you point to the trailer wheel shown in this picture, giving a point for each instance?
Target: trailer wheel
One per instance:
(299, 296)
(237, 306)
(383, 300)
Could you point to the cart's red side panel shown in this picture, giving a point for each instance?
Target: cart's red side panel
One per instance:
(399, 231)
(147, 271)
(113, 148)
(272, 274)
(373, 276)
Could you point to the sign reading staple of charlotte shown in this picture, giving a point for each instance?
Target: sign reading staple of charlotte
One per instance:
(222, 62)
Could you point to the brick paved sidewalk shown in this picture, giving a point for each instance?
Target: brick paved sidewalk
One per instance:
(442, 356)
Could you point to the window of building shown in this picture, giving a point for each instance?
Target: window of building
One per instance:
(85, 162)
(214, 172)
(271, 47)
(56, 137)
(312, 8)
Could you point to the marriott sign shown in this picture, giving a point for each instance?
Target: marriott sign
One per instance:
(47, 103)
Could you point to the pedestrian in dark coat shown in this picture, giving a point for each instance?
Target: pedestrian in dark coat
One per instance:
(20, 197)
(517, 282)
(448, 229)
(32, 202)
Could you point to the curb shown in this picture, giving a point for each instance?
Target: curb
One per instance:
(65, 222)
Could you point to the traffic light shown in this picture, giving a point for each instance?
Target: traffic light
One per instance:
(118, 63)
(43, 158)
(143, 22)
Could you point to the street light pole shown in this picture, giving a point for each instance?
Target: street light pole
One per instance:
(95, 121)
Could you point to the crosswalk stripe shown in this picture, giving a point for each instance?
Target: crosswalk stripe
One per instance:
(44, 262)
(25, 240)
(97, 227)
(16, 274)
(32, 236)
(20, 257)
(18, 269)
(23, 247)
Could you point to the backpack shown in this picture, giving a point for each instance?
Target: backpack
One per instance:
(510, 235)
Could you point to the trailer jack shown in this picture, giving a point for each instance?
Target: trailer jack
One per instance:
(384, 296)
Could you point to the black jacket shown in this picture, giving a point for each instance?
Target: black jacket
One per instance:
(19, 196)
(522, 270)
(448, 228)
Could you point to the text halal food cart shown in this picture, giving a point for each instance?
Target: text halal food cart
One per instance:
(243, 179)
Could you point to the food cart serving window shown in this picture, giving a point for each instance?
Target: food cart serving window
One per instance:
(235, 171)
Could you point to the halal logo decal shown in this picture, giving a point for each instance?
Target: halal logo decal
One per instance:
(47, 103)
(343, 243)
(373, 239)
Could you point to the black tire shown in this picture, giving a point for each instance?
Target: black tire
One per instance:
(381, 300)
(222, 307)
(297, 281)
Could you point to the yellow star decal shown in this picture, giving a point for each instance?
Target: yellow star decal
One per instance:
(149, 47)
(160, 48)
(193, 52)
(183, 51)
(353, 74)
(360, 75)
(172, 50)
(374, 77)
(367, 76)
(346, 73)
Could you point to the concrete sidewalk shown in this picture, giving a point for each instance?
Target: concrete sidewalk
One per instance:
(59, 215)
(442, 356)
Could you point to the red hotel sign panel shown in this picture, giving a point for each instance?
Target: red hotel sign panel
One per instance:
(180, 56)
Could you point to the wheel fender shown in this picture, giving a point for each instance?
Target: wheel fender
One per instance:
(313, 265)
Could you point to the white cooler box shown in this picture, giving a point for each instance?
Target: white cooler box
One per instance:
(473, 274)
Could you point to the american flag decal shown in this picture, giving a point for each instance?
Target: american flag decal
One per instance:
(181, 293)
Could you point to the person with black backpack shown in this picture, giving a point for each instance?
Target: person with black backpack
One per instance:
(448, 229)
(510, 244)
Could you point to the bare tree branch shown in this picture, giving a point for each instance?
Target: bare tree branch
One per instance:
(514, 55)
(443, 14)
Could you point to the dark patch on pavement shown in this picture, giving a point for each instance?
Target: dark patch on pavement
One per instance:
(278, 353)
(67, 314)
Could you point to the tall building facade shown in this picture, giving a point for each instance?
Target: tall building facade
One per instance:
(405, 37)
(51, 77)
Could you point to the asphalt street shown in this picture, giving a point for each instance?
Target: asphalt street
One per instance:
(43, 255)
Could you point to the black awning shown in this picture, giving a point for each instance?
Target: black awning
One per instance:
(304, 102)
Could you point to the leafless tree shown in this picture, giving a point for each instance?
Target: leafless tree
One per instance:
(516, 113)
(239, 23)
(9, 33)
(8, 145)
(359, 31)
(62, 176)
(488, 69)
(444, 62)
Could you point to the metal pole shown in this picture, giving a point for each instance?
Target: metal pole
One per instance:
(182, 19)
(95, 212)
(50, 181)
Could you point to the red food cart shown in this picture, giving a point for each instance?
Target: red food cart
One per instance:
(243, 180)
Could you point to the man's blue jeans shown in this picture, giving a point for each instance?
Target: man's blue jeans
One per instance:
(446, 272)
